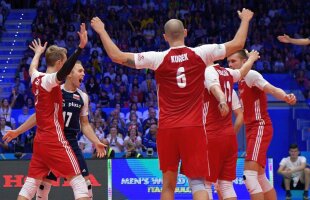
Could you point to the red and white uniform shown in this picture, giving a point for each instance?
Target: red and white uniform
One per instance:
(258, 125)
(179, 77)
(222, 140)
(51, 151)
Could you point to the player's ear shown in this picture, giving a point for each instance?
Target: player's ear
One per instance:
(185, 32)
(165, 37)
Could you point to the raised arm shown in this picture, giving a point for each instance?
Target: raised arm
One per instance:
(238, 41)
(28, 124)
(112, 50)
(38, 51)
(69, 64)
(89, 133)
(280, 94)
(287, 39)
(246, 67)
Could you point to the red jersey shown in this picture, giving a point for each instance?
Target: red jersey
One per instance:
(225, 78)
(179, 74)
(48, 106)
(254, 99)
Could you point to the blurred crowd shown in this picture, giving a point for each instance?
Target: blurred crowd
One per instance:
(137, 25)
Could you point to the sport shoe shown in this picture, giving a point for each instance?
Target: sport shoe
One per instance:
(288, 195)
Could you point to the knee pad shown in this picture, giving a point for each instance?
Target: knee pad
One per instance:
(251, 182)
(29, 188)
(79, 187)
(197, 185)
(43, 191)
(264, 183)
(227, 189)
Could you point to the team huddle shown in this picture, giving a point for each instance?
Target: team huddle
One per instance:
(196, 101)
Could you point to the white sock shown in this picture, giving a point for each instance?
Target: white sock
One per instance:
(43, 191)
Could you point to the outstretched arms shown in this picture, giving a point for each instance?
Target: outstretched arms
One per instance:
(287, 39)
(239, 40)
(112, 50)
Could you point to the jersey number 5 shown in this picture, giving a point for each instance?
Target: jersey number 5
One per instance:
(181, 79)
(67, 119)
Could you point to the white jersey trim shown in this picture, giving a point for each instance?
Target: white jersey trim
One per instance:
(64, 142)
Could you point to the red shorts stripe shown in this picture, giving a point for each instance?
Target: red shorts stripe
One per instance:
(258, 139)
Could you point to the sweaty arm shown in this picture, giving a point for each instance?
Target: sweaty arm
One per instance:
(28, 124)
(280, 94)
(237, 43)
(298, 41)
(68, 66)
(112, 50)
(87, 130)
(238, 112)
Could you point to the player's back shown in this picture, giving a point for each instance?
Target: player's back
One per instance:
(48, 106)
(180, 88)
(214, 120)
(254, 101)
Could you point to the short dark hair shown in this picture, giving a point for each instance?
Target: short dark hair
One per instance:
(293, 146)
(242, 53)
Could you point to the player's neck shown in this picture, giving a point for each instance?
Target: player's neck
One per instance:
(176, 43)
(68, 86)
(50, 70)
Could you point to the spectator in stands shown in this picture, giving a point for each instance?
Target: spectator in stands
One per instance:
(149, 140)
(85, 144)
(110, 72)
(146, 114)
(19, 86)
(133, 121)
(107, 85)
(92, 88)
(149, 84)
(295, 173)
(29, 103)
(115, 141)
(4, 127)
(99, 128)
(133, 140)
(104, 99)
(17, 99)
(136, 96)
(23, 116)
(134, 107)
(6, 111)
(150, 120)
(4, 146)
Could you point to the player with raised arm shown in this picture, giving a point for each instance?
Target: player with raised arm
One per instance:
(75, 113)
(298, 41)
(179, 77)
(50, 146)
(253, 88)
(222, 139)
